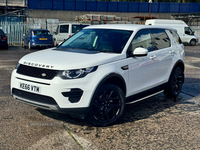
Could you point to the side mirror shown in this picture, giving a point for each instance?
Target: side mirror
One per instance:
(139, 52)
(55, 33)
(193, 32)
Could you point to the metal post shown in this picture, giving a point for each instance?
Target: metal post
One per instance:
(6, 11)
(150, 1)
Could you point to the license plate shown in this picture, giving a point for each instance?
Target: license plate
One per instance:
(28, 87)
(42, 38)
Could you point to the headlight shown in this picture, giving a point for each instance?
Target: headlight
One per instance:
(76, 73)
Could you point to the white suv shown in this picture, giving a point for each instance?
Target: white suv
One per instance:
(94, 72)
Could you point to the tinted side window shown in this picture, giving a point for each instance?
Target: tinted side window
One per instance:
(176, 36)
(142, 39)
(64, 28)
(161, 39)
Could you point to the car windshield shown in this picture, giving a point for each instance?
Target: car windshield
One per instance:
(41, 32)
(102, 40)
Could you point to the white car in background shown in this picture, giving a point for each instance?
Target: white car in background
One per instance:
(94, 72)
(185, 32)
(66, 30)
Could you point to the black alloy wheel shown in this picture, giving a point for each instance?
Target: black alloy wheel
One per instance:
(175, 83)
(107, 105)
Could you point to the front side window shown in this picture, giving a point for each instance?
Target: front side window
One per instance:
(102, 40)
(76, 28)
(142, 39)
(64, 28)
(161, 40)
(188, 31)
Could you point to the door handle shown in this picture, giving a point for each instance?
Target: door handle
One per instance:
(152, 57)
(125, 67)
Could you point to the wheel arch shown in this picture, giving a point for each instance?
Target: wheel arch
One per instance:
(180, 64)
(115, 79)
(193, 39)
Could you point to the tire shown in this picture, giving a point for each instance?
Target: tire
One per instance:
(175, 83)
(23, 45)
(193, 42)
(107, 105)
(29, 45)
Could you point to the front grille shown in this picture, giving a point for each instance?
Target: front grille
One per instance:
(34, 97)
(37, 72)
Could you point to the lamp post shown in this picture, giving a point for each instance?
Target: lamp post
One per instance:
(150, 1)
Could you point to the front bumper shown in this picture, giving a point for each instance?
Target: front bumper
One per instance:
(66, 96)
(55, 108)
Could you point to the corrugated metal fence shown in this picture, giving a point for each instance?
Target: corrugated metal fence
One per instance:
(15, 31)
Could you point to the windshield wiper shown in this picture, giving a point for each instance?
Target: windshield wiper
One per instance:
(105, 51)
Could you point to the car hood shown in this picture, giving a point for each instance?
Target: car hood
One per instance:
(63, 59)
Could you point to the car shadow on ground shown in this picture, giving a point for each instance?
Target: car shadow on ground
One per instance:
(133, 112)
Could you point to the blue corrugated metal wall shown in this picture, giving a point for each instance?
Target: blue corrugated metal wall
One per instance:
(106, 6)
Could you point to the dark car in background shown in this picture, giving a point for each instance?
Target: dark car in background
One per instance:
(3, 40)
(38, 38)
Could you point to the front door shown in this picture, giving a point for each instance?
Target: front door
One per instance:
(152, 70)
(142, 69)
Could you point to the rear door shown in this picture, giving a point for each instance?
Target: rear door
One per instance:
(164, 52)
(63, 33)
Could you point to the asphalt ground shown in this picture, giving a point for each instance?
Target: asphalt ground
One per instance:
(155, 123)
